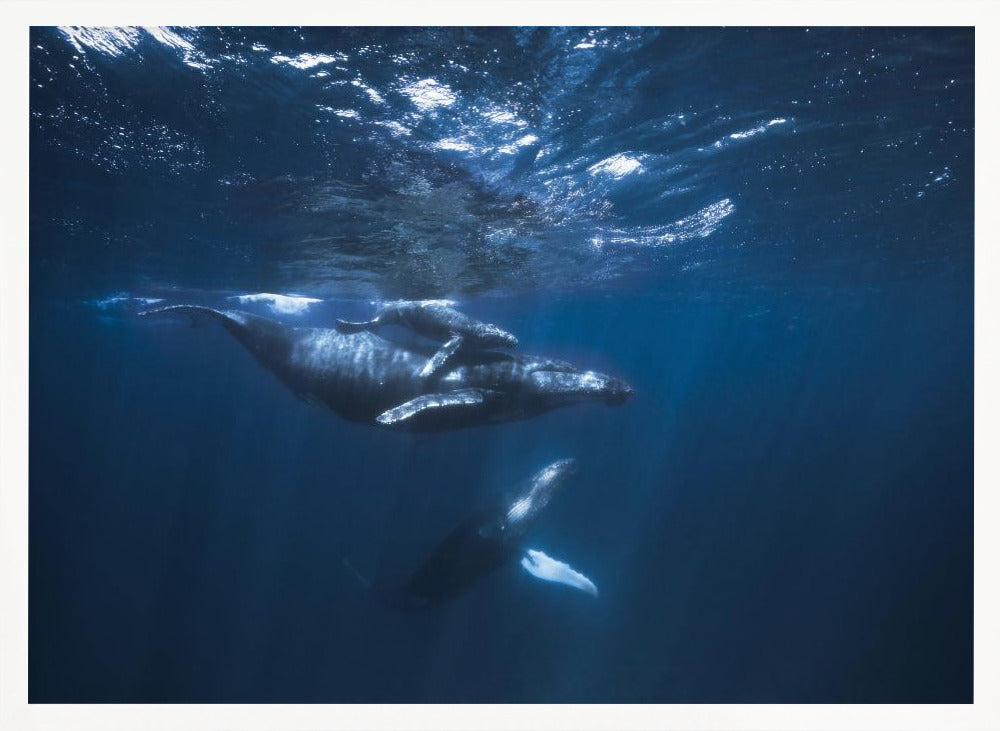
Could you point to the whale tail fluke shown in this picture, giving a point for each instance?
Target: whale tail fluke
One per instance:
(349, 328)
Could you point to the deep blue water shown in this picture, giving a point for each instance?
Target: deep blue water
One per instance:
(767, 232)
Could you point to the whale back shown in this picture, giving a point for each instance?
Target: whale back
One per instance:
(462, 558)
(256, 334)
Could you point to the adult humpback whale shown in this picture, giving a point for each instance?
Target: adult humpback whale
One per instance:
(364, 377)
(487, 540)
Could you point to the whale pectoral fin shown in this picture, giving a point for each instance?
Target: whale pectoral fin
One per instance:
(438, 404)
(355, 327)
(547, 568)
(440, 358)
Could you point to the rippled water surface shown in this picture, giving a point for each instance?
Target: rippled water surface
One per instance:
(446, 161)
(767, 232)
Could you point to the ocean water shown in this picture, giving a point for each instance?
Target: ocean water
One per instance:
(767, 232)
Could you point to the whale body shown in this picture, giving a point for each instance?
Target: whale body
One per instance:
(364, 377)
(489, 539)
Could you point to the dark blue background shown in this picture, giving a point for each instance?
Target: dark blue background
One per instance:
(783, 514)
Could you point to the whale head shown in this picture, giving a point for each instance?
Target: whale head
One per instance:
(491, 336)
(563, 387)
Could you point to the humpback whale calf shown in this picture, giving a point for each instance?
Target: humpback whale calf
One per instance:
(487, 540)
(436, 320)
(364, 377)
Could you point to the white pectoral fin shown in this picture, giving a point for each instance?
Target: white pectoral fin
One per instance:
(441, 357)
(431, 403)
(547, 568)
